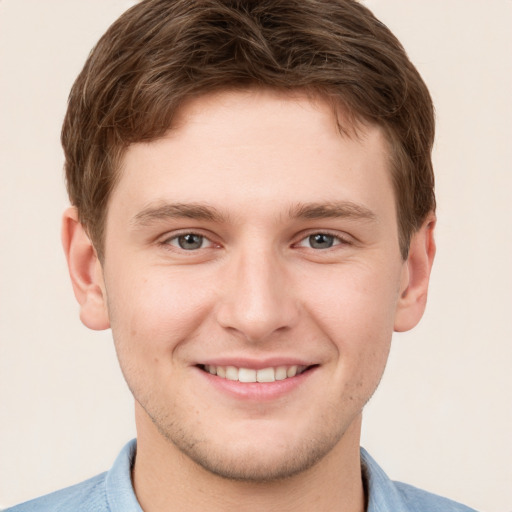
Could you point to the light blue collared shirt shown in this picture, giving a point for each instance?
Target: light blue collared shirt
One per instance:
(113, 492)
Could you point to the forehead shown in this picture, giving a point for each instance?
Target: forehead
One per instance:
(257, 147)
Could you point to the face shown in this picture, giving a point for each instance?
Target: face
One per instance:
(252, 275)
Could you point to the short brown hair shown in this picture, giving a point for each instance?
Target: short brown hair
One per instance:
(162, 52)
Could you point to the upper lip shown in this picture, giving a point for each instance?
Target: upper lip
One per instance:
(256, 364)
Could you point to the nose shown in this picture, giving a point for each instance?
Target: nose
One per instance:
(257, 299)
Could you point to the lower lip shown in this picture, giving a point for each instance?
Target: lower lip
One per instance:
(257, 391)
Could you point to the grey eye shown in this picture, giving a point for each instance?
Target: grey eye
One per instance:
(190, 241)
(321, 241)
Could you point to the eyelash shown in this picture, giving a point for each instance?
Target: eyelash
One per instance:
(337, 240)
(167, 243)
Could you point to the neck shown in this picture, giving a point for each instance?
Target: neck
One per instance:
(165, 479)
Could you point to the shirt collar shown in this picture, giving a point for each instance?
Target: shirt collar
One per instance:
(119, 488)
(382, 494)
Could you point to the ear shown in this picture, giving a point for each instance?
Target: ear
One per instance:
(415, 277)
(85, 272)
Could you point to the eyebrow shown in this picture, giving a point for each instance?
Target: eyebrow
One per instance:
(201, 211)
(177, 211)
(332, 209)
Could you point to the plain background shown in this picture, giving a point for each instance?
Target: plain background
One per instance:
(442, 418)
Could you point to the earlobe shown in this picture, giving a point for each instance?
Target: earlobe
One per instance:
(85, 272)
(415, 277)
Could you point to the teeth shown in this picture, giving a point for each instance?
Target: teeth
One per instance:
(281, 373)
(246, 375)
(266, 375)
(231, 373)
(291, 372)
(251, 375)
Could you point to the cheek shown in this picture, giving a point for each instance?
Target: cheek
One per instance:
(355, 300)
(355, 309)
(156, 310)
(151, 318)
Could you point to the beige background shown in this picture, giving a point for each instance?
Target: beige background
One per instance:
(442, 418)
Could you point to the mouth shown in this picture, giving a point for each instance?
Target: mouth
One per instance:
(269, 374)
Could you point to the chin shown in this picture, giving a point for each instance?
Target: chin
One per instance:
(255, 465)
(260, 457)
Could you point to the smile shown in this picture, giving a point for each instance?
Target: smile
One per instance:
(270, 374)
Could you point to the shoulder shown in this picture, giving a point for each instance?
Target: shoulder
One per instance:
(386, 495)
(109, 492)
(88, 496)
(418, 500)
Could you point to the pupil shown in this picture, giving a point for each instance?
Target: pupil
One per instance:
(190, 241)
(321, 241)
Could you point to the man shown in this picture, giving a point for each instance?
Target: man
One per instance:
(253, 216)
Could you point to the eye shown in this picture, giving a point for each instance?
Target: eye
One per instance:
(320, 241)
(189, 241)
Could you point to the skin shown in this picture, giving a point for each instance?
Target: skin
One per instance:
(254, 175)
